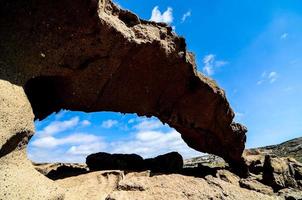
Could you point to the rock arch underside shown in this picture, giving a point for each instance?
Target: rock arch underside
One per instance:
(90, 55)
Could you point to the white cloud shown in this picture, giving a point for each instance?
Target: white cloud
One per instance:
(166, 16)
(153, 143)
(185, 16)
(148, 124)
(87, 149)
(85, 123)
(239, 116)
(259, 82)
(60, 114)
(211, 64)
(117, 3)
(77, 138)
(270, 77)
(58, 126)
(284, 36)
(149, 138)
(109, 123)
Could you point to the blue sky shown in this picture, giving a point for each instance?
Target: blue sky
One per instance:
(252, 48)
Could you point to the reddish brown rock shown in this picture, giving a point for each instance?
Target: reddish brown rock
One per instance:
(80, 55)
(86, 55)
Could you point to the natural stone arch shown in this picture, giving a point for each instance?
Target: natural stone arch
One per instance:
(92, 58)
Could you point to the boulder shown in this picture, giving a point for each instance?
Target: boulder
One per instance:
(254, 160)
(228, 177)
(278, 174)
(255, 185)
(106, 161)
(167, 163)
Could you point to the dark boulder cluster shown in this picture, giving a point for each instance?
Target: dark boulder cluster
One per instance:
(106, 161)
(167, 163)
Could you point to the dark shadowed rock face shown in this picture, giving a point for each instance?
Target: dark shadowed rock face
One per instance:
(106, 161)
(64, 172)
(60, 170)
(90, 55)
(86, 55)
(167, 163)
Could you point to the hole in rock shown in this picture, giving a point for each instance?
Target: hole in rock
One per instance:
(44, 93)
(69, 137)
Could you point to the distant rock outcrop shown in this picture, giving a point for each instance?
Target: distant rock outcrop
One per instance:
(273, 169)
(291, 148)
(106, 161)
(167, 163)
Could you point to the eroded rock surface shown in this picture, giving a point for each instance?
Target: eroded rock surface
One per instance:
(79, 55)
(60, 170)
(116, 185)
(89, 55)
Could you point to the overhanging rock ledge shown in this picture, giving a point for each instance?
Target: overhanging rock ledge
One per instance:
(91, 56)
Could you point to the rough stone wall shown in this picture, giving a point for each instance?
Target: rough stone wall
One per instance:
(80, 55)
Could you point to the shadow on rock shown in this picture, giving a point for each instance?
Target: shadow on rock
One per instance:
(167, 163)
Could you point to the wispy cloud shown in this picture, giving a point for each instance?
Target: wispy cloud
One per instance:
(284, 36)
(166, 16)
(148, 137)
(59, 126)
(211, 64)
(152, 143)
(87, 148)
(270, 77)
(109, 123)
(148, 124)
(151, 138)
(185, 16)
(239, 116)
(49, 142)
(85, 122)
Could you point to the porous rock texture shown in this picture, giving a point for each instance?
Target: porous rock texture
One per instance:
(89, 55)
(116, 185)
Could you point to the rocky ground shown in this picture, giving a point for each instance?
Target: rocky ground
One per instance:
(291, 148)
(207, 177)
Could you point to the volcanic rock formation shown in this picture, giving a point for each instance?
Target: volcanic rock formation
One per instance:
(87, 55)
(167, 163)
(106, 161)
